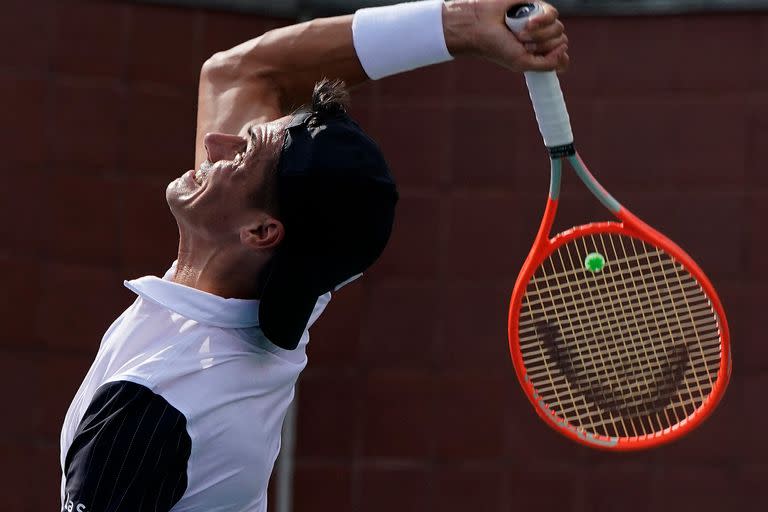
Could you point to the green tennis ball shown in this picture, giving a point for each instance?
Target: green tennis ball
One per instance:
(594, 262)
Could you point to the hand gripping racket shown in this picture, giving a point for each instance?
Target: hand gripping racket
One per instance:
(617, 336)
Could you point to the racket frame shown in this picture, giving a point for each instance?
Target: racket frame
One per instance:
(628, 225)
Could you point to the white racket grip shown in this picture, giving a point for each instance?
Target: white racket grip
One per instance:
(543, 86)
(549, 105)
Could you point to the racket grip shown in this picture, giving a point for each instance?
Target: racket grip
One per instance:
(543, 87)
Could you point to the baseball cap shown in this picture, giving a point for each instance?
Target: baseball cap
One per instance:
(337, 202)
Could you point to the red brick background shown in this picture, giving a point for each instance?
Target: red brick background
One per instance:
(409, 402)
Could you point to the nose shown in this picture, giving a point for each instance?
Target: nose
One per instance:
(223, 146)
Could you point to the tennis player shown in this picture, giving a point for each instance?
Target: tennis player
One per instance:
(183, 405)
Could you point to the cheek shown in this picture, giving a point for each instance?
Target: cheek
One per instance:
(212, 207)
(226, 205)
(247, 192)
(217, 221)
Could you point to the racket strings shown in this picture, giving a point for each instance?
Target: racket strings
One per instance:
(629, 350)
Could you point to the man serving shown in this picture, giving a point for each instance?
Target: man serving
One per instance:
(289, 200)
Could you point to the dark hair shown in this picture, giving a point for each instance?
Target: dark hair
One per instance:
(330, 98)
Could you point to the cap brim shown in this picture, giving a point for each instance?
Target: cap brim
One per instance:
(286, 304)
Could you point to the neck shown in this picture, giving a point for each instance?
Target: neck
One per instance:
(223, 271)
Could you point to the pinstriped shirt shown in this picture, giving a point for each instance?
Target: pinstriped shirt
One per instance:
(182, 407)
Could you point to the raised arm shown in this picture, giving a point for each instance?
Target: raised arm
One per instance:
(266, 77)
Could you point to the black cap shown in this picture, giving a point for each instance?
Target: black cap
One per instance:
(337, 202)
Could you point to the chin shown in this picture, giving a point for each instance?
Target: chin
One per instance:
(174, 195)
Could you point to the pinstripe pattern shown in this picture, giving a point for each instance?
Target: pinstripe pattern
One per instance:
(129, 453)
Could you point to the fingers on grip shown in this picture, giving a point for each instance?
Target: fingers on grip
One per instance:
(546, 33)
(546, 61)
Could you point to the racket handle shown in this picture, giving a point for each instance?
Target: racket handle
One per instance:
(543, 87)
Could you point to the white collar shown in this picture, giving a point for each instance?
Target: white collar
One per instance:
(197, 305)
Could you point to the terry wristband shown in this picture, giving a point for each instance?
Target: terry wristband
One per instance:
(397, 38)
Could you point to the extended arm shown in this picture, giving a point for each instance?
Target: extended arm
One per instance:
(264, 78)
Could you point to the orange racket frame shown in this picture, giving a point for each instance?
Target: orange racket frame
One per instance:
(632, 226)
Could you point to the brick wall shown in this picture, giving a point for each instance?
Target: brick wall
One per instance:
(409, 402)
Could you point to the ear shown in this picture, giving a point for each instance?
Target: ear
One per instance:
(263, 234)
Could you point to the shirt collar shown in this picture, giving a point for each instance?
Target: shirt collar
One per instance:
(197, 305)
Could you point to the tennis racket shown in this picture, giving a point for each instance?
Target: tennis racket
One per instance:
(617, 337)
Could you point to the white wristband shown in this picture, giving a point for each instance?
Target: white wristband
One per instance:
(390, 40)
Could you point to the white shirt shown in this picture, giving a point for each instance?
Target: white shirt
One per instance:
(204, 359)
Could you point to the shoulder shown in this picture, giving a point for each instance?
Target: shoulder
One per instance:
(130, 450)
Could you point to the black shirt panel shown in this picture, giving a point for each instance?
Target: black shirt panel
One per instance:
(129, 453)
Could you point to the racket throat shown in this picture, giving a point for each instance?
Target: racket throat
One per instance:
(593, 185)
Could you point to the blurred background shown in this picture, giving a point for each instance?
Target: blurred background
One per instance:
(409, 401)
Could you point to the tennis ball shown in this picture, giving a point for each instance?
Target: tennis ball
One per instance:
(594, 262)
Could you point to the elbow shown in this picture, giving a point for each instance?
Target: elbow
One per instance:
(229, 70)
(232, 67)
(218, 67)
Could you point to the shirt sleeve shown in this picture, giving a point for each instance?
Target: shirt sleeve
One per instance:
(129, 453)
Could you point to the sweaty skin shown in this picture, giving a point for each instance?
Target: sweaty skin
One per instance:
(224, 241)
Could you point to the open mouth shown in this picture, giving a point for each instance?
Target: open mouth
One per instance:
(201, 175)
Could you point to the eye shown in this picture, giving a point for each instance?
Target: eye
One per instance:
(244, 151)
